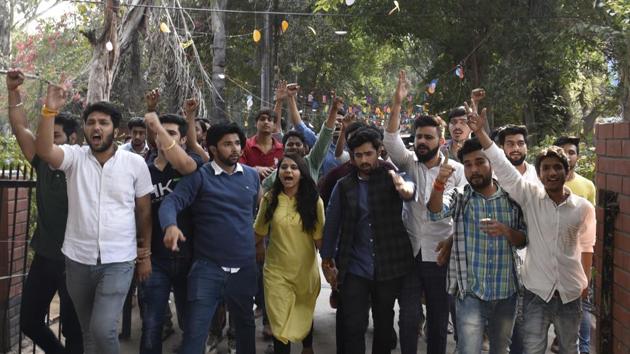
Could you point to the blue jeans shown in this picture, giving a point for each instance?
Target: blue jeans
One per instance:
(538, 315)
(98, 293)
(208, 285)
(585, 328)
(430, 279)
(153, 296)
(473, 314)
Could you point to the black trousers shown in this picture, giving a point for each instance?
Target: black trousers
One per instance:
(357, 295)
(45, 278)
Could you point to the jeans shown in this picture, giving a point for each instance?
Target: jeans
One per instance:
(357, 294)
(429, 278)
(584, 334)
(472, 316)
(208, 285)
(154, 293)
(517, 336)
(538, 315)
(45, 277)
(98, 293)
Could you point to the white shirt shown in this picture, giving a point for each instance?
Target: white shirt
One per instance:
(129, 147)
(423, 233)
(101, 203)
(557, 234)
(531, 176)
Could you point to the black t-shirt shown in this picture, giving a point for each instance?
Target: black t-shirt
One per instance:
(52, 210)
(164, 183)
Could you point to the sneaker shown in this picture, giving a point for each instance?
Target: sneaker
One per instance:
(212, 344)
(269, 349)
(231, 346)
(266, 332)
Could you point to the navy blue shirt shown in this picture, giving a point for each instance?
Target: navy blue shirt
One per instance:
(222, 207)
(361, 261)
(164, 182)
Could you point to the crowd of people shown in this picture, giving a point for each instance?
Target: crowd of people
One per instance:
(233, 227)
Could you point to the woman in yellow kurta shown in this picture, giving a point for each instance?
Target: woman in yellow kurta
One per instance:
(294, 214)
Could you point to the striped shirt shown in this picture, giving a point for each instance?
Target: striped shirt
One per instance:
(480, 264)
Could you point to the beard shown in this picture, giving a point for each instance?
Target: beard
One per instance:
(476, 183)
(427, 156)
(517, 162)
(107, 142)
(230, 160)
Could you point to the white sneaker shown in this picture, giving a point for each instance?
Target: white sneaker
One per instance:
(212, 344)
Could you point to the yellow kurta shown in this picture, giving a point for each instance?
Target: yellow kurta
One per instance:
(291, 271)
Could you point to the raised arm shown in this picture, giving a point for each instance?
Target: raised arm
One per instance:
(190, 111)
(17, 115)
(436, 200)
(509, 178)
(399, 95)
(44, 144)
(341, 141)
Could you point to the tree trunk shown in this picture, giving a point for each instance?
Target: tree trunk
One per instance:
(265, 64)
(104, 63)
(218, 60)
(6, 20)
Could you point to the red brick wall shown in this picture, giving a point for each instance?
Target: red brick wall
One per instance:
(613, 174)
(13, 249)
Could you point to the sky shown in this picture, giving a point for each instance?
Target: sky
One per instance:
(55, 11)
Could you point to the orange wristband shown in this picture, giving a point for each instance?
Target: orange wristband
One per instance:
(438, 186)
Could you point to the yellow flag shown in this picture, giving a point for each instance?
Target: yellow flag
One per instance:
(256, 36)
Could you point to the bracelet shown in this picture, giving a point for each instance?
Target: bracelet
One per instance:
(49, 113)
(170, 146)
(17, 105)
(438, 186)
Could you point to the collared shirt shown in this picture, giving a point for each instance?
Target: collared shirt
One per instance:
(362, 253)
(531, 176)
(558, 234)
(423, 233)
(129, 147)
(101, 204)
(253, 156)
(481, 264)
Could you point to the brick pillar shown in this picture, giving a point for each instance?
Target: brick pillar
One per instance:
(612, 252)
(14, 214)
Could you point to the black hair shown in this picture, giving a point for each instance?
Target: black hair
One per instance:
(182, 125)
(136, 122)
(429, 121)
(552, 151)
(218, 131)
(294, 133)
(68, 122)
(306, 197)
(352, 128)
(470, 145)
(267, 111)
(511, 129)
(365, 135)
(456, 112)
(103, 107)
(204, 123)
(563, 140)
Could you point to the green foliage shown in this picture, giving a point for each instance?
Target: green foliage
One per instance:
(10, 153)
